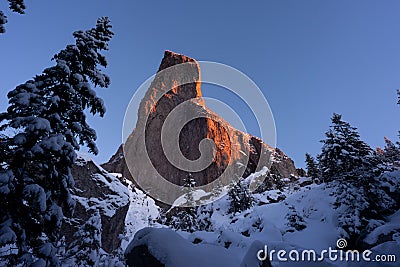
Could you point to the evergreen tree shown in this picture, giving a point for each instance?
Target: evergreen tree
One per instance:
(188, 184)
(48, 113)
(312, 167)
(398, 103)
(3, 147)
(391, 153)
(398, 96)
(295, 221)
(3, 20)
(85, 250)
(240, 197)
(16, 6)
(204, 214)
(185, 218)
(351, 203)
(379, 151)
(344, 154)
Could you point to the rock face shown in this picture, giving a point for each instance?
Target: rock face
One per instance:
(233, 151)
(117, 164)
(95, 189)
(282, 166)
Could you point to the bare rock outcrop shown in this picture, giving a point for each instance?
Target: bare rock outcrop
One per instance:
(233, 151)
(117, 164)
(97, 190)
(282, 166)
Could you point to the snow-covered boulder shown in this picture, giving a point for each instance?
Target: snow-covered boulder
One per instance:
(154, 247)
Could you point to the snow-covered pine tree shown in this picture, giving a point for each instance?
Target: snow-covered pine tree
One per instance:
(360, 204)
(295, 221)
(217, 191)
(390, 153)
(398, 103)
(86, 250)
(312, 167)
(185, 218)
(240, 197)
(3, 20)
(355, 170)
(204, 214)
(188, 184)
(3, 147)
(344, 154)
(16, 6)
(48, 113)
(351, 203)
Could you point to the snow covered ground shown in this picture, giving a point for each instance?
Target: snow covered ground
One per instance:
(141, 213)
(304, 218)
(299, 217)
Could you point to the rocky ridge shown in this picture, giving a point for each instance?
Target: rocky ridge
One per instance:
(231, 146)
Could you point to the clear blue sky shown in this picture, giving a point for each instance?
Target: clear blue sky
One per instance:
(310, 57)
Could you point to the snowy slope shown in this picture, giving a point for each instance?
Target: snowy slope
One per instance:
(269, 224)
(142, 213)
(292, 218)
(303, 218)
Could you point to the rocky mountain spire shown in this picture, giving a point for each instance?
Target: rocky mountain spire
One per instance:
(177, 87)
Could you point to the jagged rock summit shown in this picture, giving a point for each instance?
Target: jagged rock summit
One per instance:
(177, 84)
